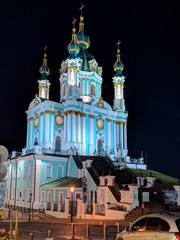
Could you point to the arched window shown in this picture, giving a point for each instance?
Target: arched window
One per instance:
(79, 88)
(49, 171)
(57, 144)
(92, 89)
(99, 145)
(30, 171)
(24, 171)
(64, 90)
(35, 141)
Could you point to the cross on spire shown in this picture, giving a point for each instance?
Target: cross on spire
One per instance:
(81, 8)
(118, 43)
(74, 22)
(45, 50)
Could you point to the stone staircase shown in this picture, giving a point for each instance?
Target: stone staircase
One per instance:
(137, 212)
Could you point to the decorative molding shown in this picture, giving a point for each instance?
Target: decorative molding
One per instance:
(47, 111)
(41, 113)
(73, 112)
(91, 116)
(84, 114)
(125, 123)
(31, 118)
(108, 120)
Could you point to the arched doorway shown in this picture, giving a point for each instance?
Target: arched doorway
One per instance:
(99, 145)
(57, 144)
(35, 141)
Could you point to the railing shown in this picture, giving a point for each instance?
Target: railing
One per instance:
(47, 150)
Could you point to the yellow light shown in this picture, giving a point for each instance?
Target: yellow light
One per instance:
(72, 189)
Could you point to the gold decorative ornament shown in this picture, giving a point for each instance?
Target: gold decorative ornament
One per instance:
(42, 113)
(36, 101)
(47, 111)
(31, 118)
(59, 120)
(91, 116)
(36, 122)
(100, 123)
(84, 114)
(100, 103)
(109, 120)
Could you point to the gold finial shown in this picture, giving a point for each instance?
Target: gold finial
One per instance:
(81, 8)
(118, 43)
(74, 21)
(45, 55)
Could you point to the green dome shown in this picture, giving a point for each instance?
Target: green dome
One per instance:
(73, 47)
(44, 69)
(118, 66)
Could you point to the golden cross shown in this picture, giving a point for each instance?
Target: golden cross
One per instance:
(118, 43)
(81, 8)
(74, 22)
(45, 48)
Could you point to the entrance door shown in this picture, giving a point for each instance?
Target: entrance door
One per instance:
(58, 144)
(99, 145)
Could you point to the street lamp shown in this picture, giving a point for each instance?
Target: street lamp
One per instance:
(72, 190)
(30, 196)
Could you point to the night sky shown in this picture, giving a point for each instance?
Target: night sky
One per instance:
(150, 50)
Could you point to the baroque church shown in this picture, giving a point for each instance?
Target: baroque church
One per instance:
(79, 137)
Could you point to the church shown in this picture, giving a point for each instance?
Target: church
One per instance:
(80, 141)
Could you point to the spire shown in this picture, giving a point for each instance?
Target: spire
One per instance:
(73, 47)
(118, 66)
(44, 70)
(82, 38)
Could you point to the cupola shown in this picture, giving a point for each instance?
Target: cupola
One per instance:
(118, 66)
(44, 69)
(82, 38)
(73, 47)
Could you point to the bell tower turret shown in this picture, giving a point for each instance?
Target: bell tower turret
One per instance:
(118, 80)
(44, 84)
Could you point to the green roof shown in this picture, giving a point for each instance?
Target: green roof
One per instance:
(64, 182)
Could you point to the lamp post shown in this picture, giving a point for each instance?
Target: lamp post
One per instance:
(72, 190)
(30, 196)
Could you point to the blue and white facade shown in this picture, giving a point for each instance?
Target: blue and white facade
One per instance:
(66, 138)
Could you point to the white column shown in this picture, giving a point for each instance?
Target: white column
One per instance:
(84, 133)
(27, 136)
(108, 136)
(68, 125)
(87, 86)
(74, 128)
(31, 133)
(115, 144)
(65, 126)
(91, 134)
(52, 129)
(47, 121)
(41, 128)
(125, 135)
(118, 138)
(121, 125)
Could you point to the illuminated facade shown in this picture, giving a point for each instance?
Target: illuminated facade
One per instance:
(81, 120)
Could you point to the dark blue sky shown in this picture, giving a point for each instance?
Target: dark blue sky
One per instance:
(150, 50)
